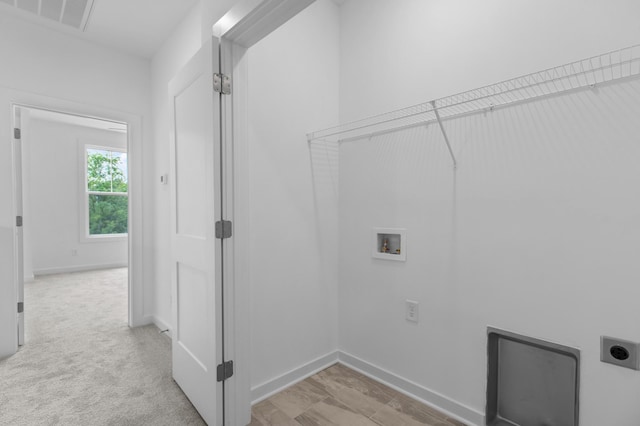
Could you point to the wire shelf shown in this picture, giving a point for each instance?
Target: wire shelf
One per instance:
(615, 65)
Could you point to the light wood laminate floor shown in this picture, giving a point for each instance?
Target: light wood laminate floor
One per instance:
(341, 396)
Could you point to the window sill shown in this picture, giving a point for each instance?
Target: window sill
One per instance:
(114, 238)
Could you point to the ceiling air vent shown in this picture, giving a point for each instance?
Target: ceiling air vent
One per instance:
(73, 13)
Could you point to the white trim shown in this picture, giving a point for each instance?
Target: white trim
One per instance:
(236, 282)
(249, 21)
(291, 377)
(241, 208)
(80, 268)
(85, 235)
(440, 402)
(106, 238)
(162, 325)
(18, 205)
(108, 193)
(134, 148)
(245, 24)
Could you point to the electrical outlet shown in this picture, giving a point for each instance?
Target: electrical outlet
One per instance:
(411, 311)
(622, 353)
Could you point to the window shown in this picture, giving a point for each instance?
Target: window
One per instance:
(107, 192)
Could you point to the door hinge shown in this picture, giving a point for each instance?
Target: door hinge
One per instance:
(18, 221)
(17, 133)
(224, 229)
(225, 371)
(20, 307)
(222, 84)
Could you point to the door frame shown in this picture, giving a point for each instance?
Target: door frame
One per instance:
(14, 98)
(242, 27)
(18, 199)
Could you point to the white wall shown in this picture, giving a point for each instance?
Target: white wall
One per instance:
(315, 57)
(27, 249)
(54, 207)
(433, 48)
(57, 67)
(539, 235)
(292, 90)
(177, 50)
(183, 43)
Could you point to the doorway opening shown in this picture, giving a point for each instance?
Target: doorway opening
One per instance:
(72, 195)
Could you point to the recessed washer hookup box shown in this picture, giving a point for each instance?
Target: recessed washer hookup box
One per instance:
(531, 382)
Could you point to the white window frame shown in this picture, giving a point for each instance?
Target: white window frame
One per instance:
(85, 235)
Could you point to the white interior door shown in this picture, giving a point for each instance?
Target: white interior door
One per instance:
(19, 249)
(195, 254)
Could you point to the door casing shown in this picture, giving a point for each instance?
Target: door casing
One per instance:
(15, 99)
(242, 27)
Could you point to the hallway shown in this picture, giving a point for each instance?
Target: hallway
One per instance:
(82, 364)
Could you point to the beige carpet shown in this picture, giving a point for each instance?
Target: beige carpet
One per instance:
(82, 364)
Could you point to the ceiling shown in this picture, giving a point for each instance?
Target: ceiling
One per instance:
(138, 27)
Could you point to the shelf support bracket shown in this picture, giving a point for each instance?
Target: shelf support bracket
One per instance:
(444, 133)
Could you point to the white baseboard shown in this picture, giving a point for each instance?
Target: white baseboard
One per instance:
(162, 325)
(265, 390)
(429, 397)
(80, 268)
(141, 322)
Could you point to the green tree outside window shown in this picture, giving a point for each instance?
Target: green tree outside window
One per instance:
(107, 186)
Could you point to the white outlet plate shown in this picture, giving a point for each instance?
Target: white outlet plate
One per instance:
(622, 353)
(411, 310)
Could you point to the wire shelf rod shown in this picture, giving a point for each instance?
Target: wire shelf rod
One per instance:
(364, 126)
(550, 80)
(431, 121)
(587, 72)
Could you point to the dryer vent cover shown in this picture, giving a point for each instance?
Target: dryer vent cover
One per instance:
(531, 382)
